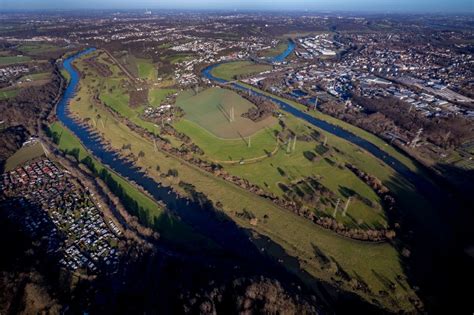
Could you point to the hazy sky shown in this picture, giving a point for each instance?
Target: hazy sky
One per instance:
(466, 6)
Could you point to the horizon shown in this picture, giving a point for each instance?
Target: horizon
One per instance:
(347, 6)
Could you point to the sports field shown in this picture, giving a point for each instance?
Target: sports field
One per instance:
(211, 109)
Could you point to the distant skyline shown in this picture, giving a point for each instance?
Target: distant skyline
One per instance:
(415, 6)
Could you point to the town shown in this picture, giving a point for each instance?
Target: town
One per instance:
(53, 206)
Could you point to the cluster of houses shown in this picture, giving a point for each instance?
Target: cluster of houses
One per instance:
(53, 204)
(207, 51)
(9, 73)
(374, 71)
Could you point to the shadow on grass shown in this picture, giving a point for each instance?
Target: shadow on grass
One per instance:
(435, 230)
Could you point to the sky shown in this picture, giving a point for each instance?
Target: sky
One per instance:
(417, 6)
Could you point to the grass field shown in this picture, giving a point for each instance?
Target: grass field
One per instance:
(5, 94)
(288, 168)
(174, 59)
(8, 60)
(296, 235)
(168, 226)
(35, 79)
(146, 69)
(230, 70)
(37, 76)
(211, 109)
(218, 149)
(37, 48)
(65, 75)
(156, 96)
(275, 51)
(24, 154)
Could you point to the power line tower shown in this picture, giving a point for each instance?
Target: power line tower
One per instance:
(346, 206)
(294, 144)
(335, 208)
(231, 115)
(417, 138)
(250, 143)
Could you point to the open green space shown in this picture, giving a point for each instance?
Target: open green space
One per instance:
(6, 94)
(218, 149)
(8, 60)
(229, 71)
(37, 48)
(146, 69)
(156, 96)
(65, 75)
(299, 237)
(36, 76)
(275, 51)
(212, 110)
(24, 154)
(327, 167)
(177, 58)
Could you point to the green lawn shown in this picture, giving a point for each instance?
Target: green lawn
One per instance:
(146, 69)
(174, 59)
(22, 155)
(36, 48)
(275, 51)
(211, 110)
(36, 76)
(218, 149)
(65, 75)
(230, 70)
(156, 96)
(8, 60)
(5, 94)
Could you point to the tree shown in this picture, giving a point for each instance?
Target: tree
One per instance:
(173, 172)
